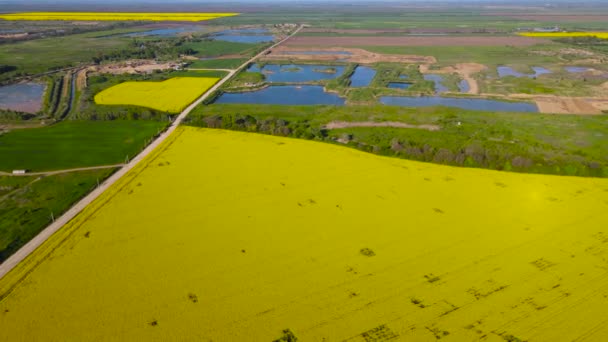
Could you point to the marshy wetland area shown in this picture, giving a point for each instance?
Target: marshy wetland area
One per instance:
(304, 172)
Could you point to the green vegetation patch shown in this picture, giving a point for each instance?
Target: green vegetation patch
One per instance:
(522, 142)
(214, 48)
(34, 201)
(73, 144)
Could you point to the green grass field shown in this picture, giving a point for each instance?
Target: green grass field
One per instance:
(227, 63)
(40, 55)
(491, 56)
(364, 17)
(73, 144)
(27, 203)
(524, 142)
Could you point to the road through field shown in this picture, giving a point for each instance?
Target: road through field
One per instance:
(57, 172)
(28, 248)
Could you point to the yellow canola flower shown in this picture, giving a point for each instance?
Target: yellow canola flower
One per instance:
(602, 35)
(114, 16)
(172, 95)
(232, 236)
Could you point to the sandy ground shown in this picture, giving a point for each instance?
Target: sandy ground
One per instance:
(14, 35)
(464, 70)
(133, 67)
(356, 56)
(81, 79)
(416, 41)
(346, 124)
(565, 105)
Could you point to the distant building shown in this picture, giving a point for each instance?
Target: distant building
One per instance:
(19, 172)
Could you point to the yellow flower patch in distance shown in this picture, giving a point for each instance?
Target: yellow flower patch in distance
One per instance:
(110, 16)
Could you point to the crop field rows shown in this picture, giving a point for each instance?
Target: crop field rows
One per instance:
(430, 253)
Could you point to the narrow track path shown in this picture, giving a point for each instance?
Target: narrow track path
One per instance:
(39, 239)
(56, 172)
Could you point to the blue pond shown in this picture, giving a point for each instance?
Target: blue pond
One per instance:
(284, 95)
(251, 35)
(464, 103)
(362, 77)
(504, 71)
(399, 85)
(250, 31)
(464, 86)
(167, 32)
(297, 72)
(438, 79)
(24, 97)
(576, 69)
(316, 53)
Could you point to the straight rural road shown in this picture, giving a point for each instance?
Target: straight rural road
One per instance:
(31, 246)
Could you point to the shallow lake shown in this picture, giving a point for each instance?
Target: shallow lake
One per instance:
(166, 32)
(504, 71)
(577, 69)
(438, 79)
(284, 95)
(399, 85)
(251, 35)
(26, 97)
(292, 73)
(250, 31)
(464, 103)
(362, 77)
(464, 86)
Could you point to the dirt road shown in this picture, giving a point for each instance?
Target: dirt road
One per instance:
(57, 172)
(28, 248)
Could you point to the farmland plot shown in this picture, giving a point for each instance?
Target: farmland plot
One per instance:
(172, 95)
(231, 236)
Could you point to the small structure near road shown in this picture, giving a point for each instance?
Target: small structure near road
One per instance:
(19, 172)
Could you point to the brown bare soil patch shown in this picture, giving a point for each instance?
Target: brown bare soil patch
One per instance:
(346, 124)
(415, 41)
(81, 79)
(430, 30)
(566, 105)
(14, 35)
(133, 67)
(356, 56)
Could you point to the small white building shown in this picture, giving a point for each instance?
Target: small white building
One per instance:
(19, 172)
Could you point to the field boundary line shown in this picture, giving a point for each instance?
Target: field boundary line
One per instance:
(57, 172)
(24, 256)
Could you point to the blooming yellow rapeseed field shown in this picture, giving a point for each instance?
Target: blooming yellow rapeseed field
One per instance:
(602, 35)
(114, 16)
(172, 95)
(230, 236)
